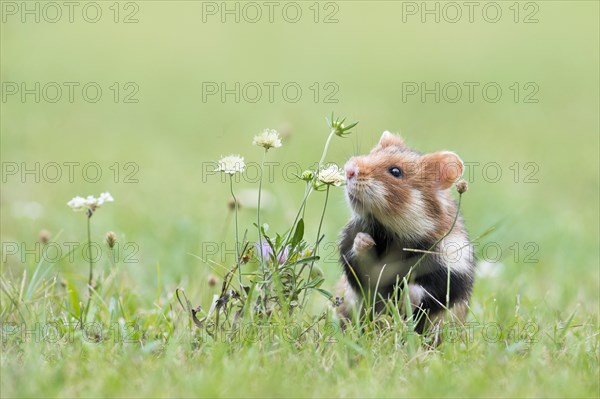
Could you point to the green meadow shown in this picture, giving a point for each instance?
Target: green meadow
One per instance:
(141, 99)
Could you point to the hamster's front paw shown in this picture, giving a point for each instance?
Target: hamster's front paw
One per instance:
(363, 242)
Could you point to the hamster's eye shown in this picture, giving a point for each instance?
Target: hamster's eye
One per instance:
(395, 171)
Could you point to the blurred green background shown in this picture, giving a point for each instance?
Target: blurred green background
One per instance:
(544, 206)
(369, 55)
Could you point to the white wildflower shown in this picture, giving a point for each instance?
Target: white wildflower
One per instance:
(77, 204)
(105, 197)
(332, 175)
(268, 139)
(231, 164)
(90, 202)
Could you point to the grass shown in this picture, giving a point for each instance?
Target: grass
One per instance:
(534, 326)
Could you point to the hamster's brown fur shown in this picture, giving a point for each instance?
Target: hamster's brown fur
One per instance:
(400, 199)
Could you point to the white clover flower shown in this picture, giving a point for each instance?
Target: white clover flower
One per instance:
(269, 138)
(332, 175)
(90, 202)
(231, 164)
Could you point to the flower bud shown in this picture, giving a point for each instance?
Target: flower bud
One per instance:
(212, 280)
(44, 236)
(111, 239)
(462, 186)
(231, 204)
(308, 175)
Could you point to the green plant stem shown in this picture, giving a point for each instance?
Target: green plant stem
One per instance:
(449, 267)
(91, 275)
(260, 247)
(306, 190)
(309, 188)
(312, 264)
(325, 149)
(321, 221)
(237, 247)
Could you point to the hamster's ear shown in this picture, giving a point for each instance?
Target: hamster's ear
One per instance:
(444, 167)
(389, 139)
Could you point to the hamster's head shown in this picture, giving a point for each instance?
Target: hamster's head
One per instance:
(403, 189)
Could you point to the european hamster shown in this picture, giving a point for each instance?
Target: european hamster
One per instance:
(400, 199)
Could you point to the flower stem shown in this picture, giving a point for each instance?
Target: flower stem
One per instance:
(316, 243)
(322, 217)
(449, 267)
(91, 275)
(432, 248)
(307, 192)
(310, 187)
(326, 149)
(262, 257)
(237, 247)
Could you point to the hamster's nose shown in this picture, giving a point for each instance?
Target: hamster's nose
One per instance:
(351, 170)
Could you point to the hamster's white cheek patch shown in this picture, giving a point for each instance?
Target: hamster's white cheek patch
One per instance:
(415, 214)
(375, 194)
(411, 219)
